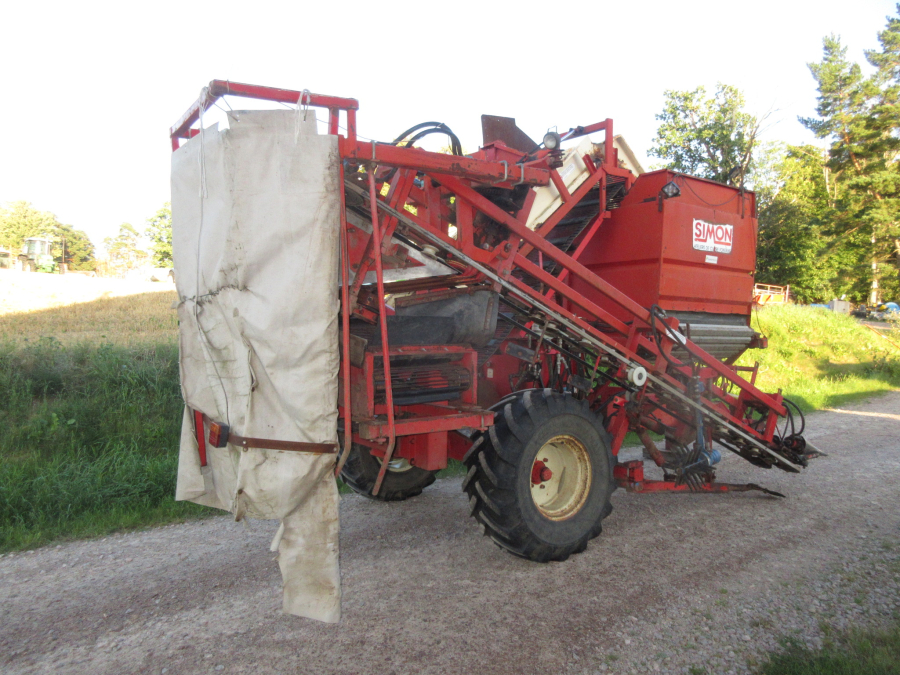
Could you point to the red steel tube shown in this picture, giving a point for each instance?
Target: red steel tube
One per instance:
(345, 326)
(219, 88)
(385, 346)
(439, 163)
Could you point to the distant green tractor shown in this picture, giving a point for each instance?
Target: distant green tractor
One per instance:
(36, 256)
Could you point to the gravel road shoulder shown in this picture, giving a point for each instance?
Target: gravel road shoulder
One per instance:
(674, 581)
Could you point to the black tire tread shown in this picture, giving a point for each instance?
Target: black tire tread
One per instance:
(490, 481)
(360, 473)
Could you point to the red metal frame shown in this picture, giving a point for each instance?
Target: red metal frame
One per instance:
(219, 88)
(345, 335)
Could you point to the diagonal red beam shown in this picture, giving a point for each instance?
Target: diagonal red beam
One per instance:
(553, 282)
(575, 198)
(545, 247)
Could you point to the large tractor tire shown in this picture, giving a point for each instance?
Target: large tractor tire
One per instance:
(401, 480)
(540, 479)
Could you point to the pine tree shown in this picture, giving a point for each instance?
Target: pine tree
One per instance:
(860, 117)
(881, 183)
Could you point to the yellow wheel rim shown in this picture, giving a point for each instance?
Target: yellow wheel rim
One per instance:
(561, 477)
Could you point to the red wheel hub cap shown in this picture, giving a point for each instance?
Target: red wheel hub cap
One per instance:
(540, 473)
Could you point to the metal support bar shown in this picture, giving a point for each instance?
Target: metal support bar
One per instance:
(437, 162)
(385, 345)
(345, 328)
(219, 88)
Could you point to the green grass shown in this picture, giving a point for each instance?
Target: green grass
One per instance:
(860, 653)
(821, 359)
(89, 439)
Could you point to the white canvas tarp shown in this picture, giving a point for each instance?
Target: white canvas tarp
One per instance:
(256, 218)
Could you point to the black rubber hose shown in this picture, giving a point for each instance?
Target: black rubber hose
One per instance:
(429, 128)
(415, 128)
(432, 128)
(796, 407)
(455, 147)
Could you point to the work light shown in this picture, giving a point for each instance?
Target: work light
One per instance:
(551, 140)
(670, 190)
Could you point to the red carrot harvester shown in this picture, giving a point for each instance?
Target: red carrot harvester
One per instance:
(520, 309)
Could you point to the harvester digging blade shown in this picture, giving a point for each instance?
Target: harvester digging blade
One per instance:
(811, 451)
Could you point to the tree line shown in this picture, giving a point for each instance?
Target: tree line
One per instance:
(829, 217)
(20, 220)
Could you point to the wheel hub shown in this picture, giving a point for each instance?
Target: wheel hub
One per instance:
(397, 464)
(540, 473)
(561, 477)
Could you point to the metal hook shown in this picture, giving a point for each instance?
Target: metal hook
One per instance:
(308, 96)
(522, 177)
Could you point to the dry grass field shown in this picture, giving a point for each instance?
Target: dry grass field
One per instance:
(74, 308)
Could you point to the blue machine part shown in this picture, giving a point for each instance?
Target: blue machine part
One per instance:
(711, 457)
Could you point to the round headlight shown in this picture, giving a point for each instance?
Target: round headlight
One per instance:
(551, 140)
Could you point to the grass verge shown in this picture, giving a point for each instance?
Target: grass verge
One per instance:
(822, 359)
(860, 653)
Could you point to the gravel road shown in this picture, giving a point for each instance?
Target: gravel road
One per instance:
(675, 582)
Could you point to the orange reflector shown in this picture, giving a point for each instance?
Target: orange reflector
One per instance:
(218, 435)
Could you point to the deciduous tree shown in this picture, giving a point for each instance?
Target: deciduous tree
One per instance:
(20, 220)
(79, 250)
(708, 136)
(159, 232)
(798, 244)
(123, 251)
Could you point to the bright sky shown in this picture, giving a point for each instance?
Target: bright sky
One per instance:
(90, 89)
